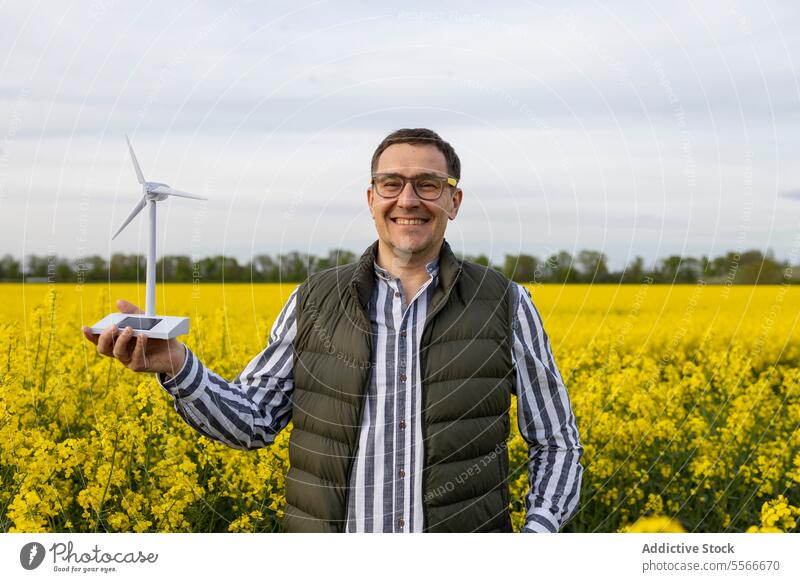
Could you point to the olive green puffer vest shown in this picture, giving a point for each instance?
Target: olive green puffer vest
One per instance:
(467, 381)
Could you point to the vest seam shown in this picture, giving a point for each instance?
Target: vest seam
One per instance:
(321, 353)
(312, 516)
(466, 339)
(307, 391)
(465, 378)
(495, 300)
(467, 418)
(484, 494)
(296, 428)
(479, 457)
(330, 522)
(335, 485)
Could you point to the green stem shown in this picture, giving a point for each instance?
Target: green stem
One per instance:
(108, 483)
(49, 342)
(158, 525)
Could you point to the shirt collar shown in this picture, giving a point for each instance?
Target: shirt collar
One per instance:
(432, 268)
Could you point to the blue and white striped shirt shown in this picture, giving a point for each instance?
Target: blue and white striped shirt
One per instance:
(386, 488)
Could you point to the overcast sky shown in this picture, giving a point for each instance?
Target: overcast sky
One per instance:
(633, 128)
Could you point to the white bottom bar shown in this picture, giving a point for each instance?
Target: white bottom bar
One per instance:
(484, 557)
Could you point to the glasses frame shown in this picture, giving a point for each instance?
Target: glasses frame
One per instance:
(446, 181)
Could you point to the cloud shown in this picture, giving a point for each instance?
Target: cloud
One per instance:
(606, 123)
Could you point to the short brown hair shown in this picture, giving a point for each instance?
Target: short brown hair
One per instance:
(420, 135)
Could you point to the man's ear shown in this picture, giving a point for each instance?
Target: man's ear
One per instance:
(369, 201)
(457, 195)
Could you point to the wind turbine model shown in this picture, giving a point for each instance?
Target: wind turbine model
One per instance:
(149, 324)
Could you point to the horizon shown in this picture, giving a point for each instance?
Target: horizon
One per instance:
(243, 260)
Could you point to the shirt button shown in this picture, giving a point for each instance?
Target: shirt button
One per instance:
(397, 294)
(402, 333)
(401, 522)
(402, 473)
(402, 377)
(402, 424)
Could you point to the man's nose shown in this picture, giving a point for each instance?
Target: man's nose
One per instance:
(407, 196)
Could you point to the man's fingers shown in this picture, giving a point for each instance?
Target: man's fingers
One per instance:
(127, 307)
(105, 343)
(121, 348)
(118, 345)
(138, 361)
(92, 337)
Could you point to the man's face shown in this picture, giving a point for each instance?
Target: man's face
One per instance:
(406, 240)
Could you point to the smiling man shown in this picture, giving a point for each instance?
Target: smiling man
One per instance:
(397, 372)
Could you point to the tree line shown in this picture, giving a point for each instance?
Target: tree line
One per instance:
(587, 266)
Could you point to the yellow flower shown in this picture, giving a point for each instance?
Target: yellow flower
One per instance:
(654, 524)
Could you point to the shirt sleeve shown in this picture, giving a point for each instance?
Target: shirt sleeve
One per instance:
(249, 412)
(546, 422)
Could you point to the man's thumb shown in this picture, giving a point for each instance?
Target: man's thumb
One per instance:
(127, 307)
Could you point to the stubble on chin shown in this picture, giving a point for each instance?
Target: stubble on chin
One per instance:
(401, 257)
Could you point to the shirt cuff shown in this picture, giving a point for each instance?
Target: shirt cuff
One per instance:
(538, 524)
(185, 382)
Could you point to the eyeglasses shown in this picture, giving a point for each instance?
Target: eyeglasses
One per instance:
(426, 186)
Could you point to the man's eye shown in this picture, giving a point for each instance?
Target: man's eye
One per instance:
(391, 184)
(428, 185)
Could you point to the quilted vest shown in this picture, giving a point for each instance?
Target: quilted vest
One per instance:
(467, 380)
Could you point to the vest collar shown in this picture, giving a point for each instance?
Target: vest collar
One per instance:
(363, 277)
(432, 268)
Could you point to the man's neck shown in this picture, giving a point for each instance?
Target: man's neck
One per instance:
(404, 266)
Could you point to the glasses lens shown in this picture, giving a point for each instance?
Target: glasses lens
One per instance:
(389, 186)
(429, 187)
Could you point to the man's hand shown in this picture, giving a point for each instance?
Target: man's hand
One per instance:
(141, 354)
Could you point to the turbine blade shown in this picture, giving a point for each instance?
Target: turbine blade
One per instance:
(135, 161)
(136, 210)
(173, 192)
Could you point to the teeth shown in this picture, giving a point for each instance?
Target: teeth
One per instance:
(406, 221)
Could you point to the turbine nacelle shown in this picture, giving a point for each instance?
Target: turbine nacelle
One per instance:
(150, 190)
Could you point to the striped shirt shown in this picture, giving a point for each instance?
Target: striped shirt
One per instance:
(386, 486)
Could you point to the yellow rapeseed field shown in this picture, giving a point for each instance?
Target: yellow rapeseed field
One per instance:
(687, 400)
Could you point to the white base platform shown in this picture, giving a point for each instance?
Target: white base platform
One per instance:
(153, 326)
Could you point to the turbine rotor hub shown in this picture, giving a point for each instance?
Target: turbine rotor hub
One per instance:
(151, 195)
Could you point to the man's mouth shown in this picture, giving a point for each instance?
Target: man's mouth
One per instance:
(409, 221)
